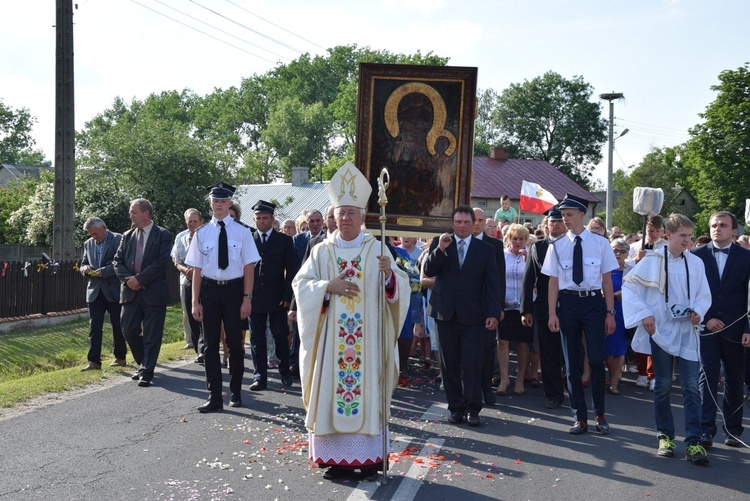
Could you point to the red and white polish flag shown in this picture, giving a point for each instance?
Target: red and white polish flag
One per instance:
(536, 199)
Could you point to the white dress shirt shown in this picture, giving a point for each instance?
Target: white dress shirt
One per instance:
(204, 250)
(598, 258)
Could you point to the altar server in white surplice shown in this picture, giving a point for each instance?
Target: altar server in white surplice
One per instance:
(342, 368)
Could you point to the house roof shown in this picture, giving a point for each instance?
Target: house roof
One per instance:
(9, 172)
(303, 197)
(494, 177)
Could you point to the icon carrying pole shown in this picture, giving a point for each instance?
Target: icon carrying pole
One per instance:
(383, 181)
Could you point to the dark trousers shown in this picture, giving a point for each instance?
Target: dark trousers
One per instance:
(716, 349)
(259, 345)
(143, 326)
(579, 316)
(462, 347)
(294, 352)
(222, 303)
(97, 308)
(196, 329)
(490, 360)
(550, 358)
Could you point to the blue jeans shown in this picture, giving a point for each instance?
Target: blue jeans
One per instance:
(691, 395)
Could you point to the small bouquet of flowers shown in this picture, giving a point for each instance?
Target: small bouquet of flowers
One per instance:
(412, 269)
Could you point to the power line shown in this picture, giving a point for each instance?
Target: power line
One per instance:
(219, 29)
(273, 24)
(650, 125)
(248, 28)
(202, 32)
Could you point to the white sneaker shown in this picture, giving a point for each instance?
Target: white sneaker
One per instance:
(642, 381)
(652, 385)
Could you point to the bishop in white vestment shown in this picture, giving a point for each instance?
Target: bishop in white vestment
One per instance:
(342, 367)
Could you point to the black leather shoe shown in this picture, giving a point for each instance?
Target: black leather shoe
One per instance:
(144, 383)
(489, 398)
(732, 442)
(370, 474)
(257, 386)
(579, 427)
(473, 419)
(199, 360)
(707, 441)
(552, 403)
(235, 400)
(602, 426)
(135, 377)
(210, 407)
(455, 418)
(334, 472)
(287, 380)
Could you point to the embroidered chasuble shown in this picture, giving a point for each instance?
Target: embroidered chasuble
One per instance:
(341, 364)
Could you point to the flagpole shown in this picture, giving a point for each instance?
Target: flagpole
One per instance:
(383, 181)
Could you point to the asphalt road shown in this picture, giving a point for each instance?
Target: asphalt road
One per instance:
(130, 443)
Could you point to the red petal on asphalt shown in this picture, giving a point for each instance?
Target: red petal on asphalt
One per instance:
(247, 441)
(518, 461)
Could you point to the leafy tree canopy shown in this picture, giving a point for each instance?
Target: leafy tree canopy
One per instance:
(719, 150)
(16, 143)
(551, 118)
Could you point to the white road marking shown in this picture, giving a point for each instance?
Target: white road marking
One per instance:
(411, 482)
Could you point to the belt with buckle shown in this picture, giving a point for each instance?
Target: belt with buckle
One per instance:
(568, 292)
(211, 281)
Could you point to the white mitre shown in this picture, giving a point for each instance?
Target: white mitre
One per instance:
(349, 187)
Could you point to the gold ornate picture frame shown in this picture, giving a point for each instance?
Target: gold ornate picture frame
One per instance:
(418, 122)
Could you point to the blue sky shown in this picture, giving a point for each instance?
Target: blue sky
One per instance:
(664, 55)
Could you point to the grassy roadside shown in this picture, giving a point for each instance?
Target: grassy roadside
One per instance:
(34, 362)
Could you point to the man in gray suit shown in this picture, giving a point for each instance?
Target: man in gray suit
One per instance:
(141, 265)
(102, 292)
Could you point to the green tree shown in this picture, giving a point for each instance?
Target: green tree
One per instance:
(16, 142)
(12, 198)
(147, 149)
(551, 118)
(486, 134)
(32, 222)
(719, 151)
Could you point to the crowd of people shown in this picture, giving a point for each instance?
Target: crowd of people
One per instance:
(575, 305)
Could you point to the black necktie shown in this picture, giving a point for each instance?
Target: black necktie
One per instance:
(223, 247)
(263, 238)
(578, 262)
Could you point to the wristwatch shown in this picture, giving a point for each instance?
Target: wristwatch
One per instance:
(249, 296)
(612, 311)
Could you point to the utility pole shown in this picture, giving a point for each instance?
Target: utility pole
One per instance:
(610, 198)
(65, 169)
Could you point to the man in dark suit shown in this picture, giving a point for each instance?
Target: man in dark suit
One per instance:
(314, 228)
(466, 306)
(535, 312)
(728, 272)
(141, 265)
(294, 352)
(102, 292)
(491, 354)
(272, 294)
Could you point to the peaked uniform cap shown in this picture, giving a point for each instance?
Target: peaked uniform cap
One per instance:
(221, 190)
(263, 206)
(349, 187)
(554, 214)
(573, 202)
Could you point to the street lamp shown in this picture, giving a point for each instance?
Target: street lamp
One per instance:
(610, 199)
